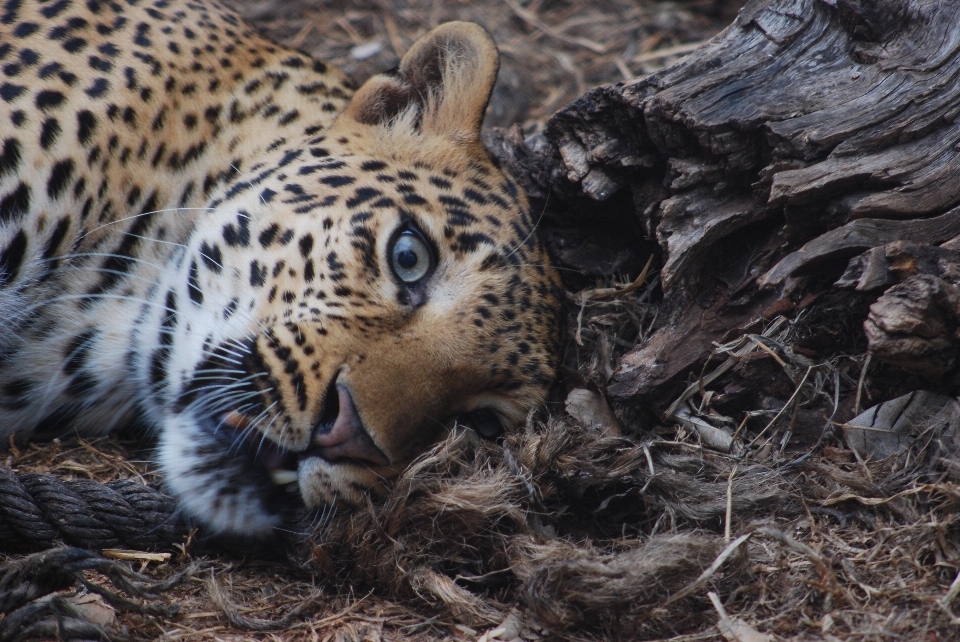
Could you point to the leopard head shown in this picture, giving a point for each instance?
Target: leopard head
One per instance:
(351, 297)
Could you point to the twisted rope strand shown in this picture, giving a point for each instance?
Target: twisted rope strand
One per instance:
(37, 510)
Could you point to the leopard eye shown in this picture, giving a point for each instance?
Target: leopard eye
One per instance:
(484, 422)
(410, 257)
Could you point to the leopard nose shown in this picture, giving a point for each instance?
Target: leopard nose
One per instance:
(346, 437)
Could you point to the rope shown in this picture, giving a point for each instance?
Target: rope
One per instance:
(30, 610)
(39, 510)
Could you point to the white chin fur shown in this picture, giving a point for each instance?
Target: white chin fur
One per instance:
(323, 483)
(212, 489)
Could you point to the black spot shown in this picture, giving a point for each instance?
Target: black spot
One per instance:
(59, 178)
(9, 92)
(306, 245)
(231, 308)
(239, 234)
(133, 196)
(141, 38)
(12, 257)
(55, 9)
(211, 257)
(362, 195)
(289, 157)
(49, 99)
(15, 204)
(372, 165)
(492, 260)
(337, 181)
(15, 394)
(86, 124)
(98, 63)
(49, 69)
(18, 117)
(258, 274)
(442, 183)
(78, 351)
(29, 56)
(268, 235)
(193, 284)
(25, 29)
(81, 384)
(10, 11)
(53, 243)
(469, 242)
(97, 88)
(414, 199)
(109, 49)
(158, 156)
(10, 156)
(158, 367)
(362, 217)
(73, 45)
(49, 132)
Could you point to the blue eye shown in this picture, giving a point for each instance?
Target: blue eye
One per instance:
(410, 257)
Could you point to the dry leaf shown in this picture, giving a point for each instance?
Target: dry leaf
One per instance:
(591, 409)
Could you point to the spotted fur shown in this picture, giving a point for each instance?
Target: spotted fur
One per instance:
(199, 230)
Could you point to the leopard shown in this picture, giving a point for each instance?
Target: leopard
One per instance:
(296, 285)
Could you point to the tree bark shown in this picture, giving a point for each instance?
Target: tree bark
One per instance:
(801, 138)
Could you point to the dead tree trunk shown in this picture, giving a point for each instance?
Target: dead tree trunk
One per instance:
(788, 152)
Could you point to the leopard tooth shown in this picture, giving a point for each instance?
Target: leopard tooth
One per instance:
(282, 477)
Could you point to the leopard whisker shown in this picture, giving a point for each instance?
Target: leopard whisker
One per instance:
(150, 213)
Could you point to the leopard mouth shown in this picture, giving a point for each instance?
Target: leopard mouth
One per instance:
(339, 436)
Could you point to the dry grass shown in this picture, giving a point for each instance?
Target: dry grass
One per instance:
(565, 533)
(552, 51)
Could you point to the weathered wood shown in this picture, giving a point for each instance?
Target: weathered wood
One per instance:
(884, 266)
(915, 325)
(858, 236)
(779, 148)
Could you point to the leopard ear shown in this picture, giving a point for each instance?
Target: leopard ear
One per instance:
(441, 87)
